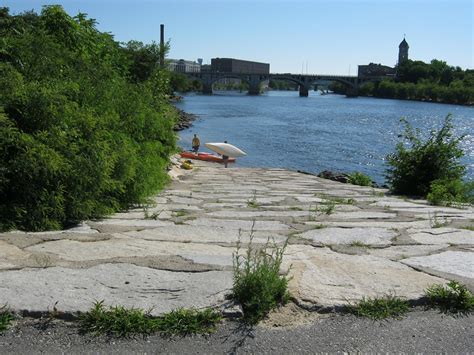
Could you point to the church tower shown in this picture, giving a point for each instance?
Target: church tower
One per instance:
(403, 51)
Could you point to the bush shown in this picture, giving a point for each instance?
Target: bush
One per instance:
(258, 285)
(80, 136)
(359, 178)
(453, 298)
(451, 192)
(413, 170)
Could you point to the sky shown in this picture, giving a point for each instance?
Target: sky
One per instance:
(294, 36)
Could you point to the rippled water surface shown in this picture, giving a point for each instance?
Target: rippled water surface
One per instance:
(281, 129)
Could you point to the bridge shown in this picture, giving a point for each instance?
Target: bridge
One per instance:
(304, 81)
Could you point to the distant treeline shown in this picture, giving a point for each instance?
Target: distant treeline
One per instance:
(416, 80)
(86, 128)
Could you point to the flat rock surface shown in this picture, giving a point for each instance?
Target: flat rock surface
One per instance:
(453, 262)
(325, 278)
(178, 251)
(40, 290)
(367, 236)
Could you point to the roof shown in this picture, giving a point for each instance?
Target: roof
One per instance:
(403, 43)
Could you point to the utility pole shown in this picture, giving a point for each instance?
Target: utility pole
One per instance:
(162, 45)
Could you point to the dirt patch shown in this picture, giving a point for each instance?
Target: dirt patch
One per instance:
(290, 316)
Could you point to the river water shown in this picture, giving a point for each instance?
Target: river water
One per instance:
(319, 132)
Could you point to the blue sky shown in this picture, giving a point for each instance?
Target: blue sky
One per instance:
(326, 37)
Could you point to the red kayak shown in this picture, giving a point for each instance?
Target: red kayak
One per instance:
(206, 157)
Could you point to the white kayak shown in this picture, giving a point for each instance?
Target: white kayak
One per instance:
(226, 149)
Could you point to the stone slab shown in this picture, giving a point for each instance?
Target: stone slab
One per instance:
(202, 234)
(453, 262)
(444, 236)
(145, 223)
(368, 236)
(398, 252)
(396, 203)
(323, 278)
(238, 224)
(38, 290)
(362, 215)
(375, 224)
(253, 214)
(129, 247)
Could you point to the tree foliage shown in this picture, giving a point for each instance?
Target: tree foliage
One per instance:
(436, 81)
(416, 80)
(85, 126)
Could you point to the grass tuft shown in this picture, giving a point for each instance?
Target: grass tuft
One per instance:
(252, 203)
(358, 178)
(6, 318)
(189, 321)
(258, 285)
(119, 321)
(379, 308)
(452, 298)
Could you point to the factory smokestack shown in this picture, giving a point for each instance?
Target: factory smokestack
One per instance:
(162, 45)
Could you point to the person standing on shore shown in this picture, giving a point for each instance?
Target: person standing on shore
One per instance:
(225, 158)
(196, 143)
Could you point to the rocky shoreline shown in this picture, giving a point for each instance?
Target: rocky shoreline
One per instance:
(185, 120)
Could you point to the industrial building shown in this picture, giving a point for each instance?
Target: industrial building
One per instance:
(231, 65)
(184, 66)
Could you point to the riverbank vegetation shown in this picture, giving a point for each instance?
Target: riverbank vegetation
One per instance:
(416, 80)
(431, 167)
(85, 124)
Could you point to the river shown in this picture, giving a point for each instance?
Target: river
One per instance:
(319, 132)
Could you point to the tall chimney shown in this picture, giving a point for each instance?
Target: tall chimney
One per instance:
(162, 45)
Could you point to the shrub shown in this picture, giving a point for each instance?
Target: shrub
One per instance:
(451, 192)
(258, 285)
(412, 170)
(453, 298)
(379, 308)
(79, 136)
(359, 178)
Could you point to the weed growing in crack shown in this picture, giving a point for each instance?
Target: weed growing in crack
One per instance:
(452, 298)
(258, 285)
(119, 321)
(379, 308)
(328, 207)
(435, 222)
(154, 215)
(180, 213)
(358, 243)
(335, 200)
(252, 203)
(6, 318)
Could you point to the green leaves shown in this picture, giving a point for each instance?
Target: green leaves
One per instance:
(258, 285)
(417, 163)
(78, 140)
